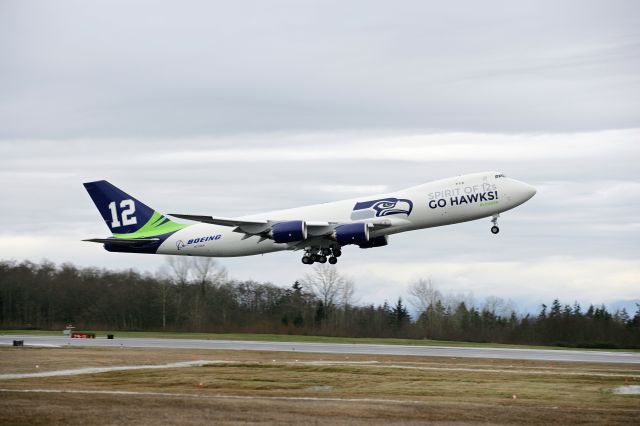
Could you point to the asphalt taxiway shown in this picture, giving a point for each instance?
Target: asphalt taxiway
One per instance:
(338, 348)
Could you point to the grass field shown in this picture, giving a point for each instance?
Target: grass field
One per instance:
(292, 388)
(298, 338)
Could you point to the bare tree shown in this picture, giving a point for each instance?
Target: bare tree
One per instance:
(207, 271)
(326, 283)
(161, 277)
(198, 271)
(178, 269)
(347, 292)
(493, 304)
(423, 293)
(175, 271)
(498, 306)
(453, 300)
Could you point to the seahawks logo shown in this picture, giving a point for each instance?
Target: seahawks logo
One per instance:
(382, 207)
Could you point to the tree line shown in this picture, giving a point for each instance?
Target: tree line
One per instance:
(195, 294)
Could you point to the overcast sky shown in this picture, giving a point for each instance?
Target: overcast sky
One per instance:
(232, 108)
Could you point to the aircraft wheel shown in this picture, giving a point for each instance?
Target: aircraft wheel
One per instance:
(314, 258)
(333, 260)
(337, 253)
(495, 229)
(326, 251)
(306, 260)
(322, 259)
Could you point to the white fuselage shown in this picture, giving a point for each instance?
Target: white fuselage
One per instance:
(438, 203)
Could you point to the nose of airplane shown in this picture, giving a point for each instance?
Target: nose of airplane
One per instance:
(527, 190)
(519, 192)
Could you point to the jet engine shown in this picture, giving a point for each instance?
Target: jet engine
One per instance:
(288, 232)
(380, 241)
(352, 233)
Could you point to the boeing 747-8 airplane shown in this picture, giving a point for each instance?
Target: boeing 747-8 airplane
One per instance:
(320, 231)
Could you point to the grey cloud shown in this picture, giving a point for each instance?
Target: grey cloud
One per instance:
(586, 206)
(162, 69)
(237, 108)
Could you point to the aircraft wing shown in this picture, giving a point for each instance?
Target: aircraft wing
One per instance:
(246, 226)
(262, 228)
(251, 227)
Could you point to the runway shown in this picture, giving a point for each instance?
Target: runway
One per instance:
(338, 348)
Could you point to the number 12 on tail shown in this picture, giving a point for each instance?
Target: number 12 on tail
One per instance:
(128, 208)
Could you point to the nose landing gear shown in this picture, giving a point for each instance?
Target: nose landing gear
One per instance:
(494, 228)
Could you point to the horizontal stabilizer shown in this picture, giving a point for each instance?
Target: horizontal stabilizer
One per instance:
(123, 241)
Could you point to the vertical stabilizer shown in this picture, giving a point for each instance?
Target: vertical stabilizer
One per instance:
(126, 216)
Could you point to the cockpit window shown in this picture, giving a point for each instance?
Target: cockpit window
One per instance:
(500, 176)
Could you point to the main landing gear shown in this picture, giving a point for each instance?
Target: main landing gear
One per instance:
(494, 228)
(323, 255)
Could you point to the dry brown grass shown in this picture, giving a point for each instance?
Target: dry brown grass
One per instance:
(394, 389)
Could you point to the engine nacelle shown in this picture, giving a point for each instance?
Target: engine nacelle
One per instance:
(288, 232)
(380, 241)
(352, 233)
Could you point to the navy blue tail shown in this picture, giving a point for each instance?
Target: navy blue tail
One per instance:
(122, 213)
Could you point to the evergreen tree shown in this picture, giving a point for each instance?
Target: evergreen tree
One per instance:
(49, 296)
(555, 309)
(635, 321)
(400, 315)
(543, 312)
(577, 310)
